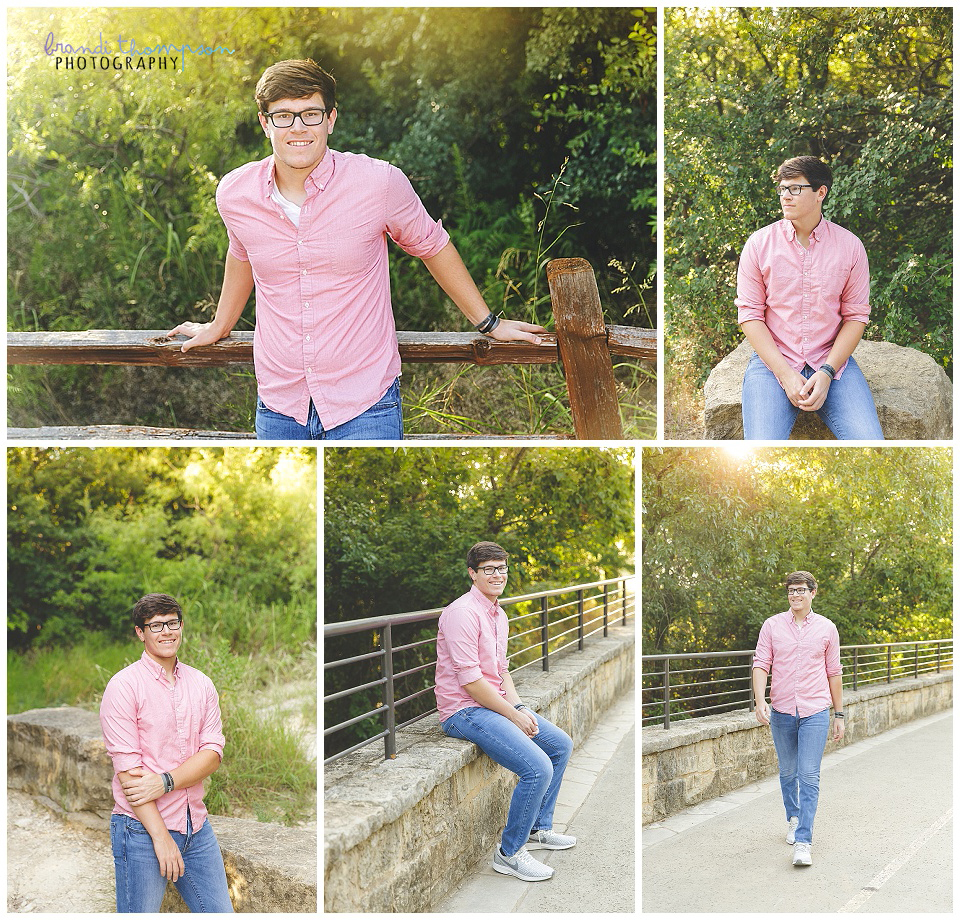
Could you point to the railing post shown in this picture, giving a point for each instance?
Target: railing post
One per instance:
(580, 620)
(938, 657)
(606, 607)
(889, 663)
(916, 660)
(855, 651)
(584, 352)
(623, 594)
(751, 705)
(666, 693)
(390, 740)
(544, 634)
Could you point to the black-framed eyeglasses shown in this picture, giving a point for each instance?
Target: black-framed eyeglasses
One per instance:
(311, 118)
(171, 624)
(493, 569)
(791, 591)
(792, 189)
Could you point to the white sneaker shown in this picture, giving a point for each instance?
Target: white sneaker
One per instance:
(522, 865)
(550, 840)
(792, 830)
(802, 855)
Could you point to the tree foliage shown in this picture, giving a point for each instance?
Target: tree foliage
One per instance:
(226, 531)
(112, 221)
(867, 89)
(721, 530)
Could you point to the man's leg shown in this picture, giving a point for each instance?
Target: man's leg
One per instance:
(505, 744)
(203, 886)
(558, 746)
(811, 741)
(140, 886)
(784, 729)
(767, 413)
(849, 410)
(383, 421)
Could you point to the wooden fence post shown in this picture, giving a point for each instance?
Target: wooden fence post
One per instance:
(582, 341)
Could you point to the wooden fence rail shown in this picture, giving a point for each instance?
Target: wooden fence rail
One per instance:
(582, 343)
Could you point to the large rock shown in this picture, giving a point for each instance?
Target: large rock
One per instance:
(58, 754)
(913, 394)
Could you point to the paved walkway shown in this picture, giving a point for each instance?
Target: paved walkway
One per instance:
(883, 838)
(596, 805)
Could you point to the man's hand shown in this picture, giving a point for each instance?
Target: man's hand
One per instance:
(526, 722)
(793, 384)
(141, 787)
(197, 333)
(168, 855)
(762, 712)
(838, 729)
(511, 330)
(814, 392)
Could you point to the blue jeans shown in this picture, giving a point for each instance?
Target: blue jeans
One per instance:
(800, 743)
(383, 421)
(140, 886)
(539, 763)
(768, 415)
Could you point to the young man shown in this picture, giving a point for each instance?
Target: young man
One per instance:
(803, 292)
(478, 702)
(801, 650)
(161, 725)
(308, 228)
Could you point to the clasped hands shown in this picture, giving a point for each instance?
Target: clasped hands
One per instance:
(527, 722)
(143, 787)
(808, 395)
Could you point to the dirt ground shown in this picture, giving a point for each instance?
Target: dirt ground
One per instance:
(53, 866)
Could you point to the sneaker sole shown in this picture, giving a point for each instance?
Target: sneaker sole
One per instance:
(506, 870)
(546, 846)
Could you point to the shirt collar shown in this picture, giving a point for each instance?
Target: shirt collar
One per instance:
(321, 175)
(157, 669)
(492, 608)
(817, 233)
(789, 613)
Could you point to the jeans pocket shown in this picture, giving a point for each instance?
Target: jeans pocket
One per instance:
(389, 401)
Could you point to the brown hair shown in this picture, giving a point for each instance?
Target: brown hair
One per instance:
(295, 80)
(813, 169)
(801, 578)
(485, 552)
(151, 605)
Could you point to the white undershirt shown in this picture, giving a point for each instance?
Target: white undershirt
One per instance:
(289, 208)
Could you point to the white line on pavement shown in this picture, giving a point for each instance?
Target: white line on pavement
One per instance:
(885, 874)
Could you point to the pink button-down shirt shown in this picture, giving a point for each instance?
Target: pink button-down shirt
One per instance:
(471, 643)
(148, 723)
(801, 661)
(804, 295)
(325, 329)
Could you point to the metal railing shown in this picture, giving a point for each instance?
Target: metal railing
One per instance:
(725, 682)
(557, 620)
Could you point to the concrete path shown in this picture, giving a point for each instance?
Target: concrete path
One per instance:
(596, 805)
(883, 838)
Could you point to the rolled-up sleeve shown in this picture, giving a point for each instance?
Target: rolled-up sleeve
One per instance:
(224, 206)
(832, 654)
(855, 298)
(462, 631)
(211, 726)
(408, 223)
(763, 656)
(751, 301)
(118, 722)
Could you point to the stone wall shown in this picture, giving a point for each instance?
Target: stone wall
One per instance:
(400, 834)
(698, 759)
(58, 755)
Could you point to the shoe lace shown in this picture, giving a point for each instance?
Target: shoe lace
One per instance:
(523, 857)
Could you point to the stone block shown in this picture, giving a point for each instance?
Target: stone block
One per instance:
(913, 394)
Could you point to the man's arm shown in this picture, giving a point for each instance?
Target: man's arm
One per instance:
(237, 285)
(759, 336)
(451, 274)
(836, 694)
(168, 853)
(141, 787)
(761, 710)
(486, 696)
(814, 392)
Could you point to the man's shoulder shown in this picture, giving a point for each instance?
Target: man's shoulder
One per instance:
(823, 621)
(465, 605)
(842, 233)
(238, 180)
(194, 674)
(365, 171)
